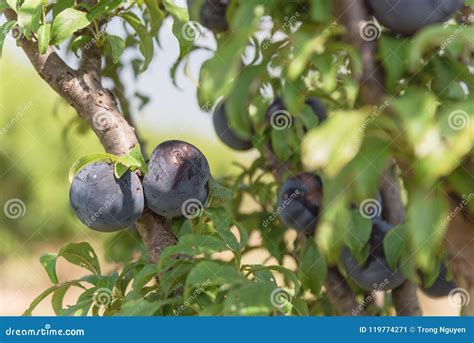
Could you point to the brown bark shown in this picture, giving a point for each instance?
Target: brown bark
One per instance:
(460, 249)
(156, 235)
(83, 90)
(352, 14)
(341, 296)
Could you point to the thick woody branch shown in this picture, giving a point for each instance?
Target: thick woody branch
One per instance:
(352, 14)
(84, 91)
(156, 235)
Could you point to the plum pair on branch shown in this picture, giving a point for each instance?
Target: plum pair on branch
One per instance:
(82, 88)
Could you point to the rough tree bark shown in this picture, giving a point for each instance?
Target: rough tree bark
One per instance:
(82, 88)
(352, 14)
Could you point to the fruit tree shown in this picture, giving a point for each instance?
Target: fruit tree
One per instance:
(359, 114)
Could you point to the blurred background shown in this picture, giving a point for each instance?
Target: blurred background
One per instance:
(40, 138)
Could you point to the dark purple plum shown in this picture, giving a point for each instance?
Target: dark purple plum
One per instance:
(213, 14)
(299, 202)
(375, 273)
(225, 133)
(408, 16)
(104, 203)
(178, 175)
(442, 286)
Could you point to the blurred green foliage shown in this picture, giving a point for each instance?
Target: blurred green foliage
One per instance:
(37, 147)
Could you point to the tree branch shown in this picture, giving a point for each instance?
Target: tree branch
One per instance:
(352, 14)
(84, 91)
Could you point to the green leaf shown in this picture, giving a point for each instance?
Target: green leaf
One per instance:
(393, 245)
(44, 33)
(104, 7)
(434, 36)
(212, 273)
(78, 42)
(13, 4)
(237, 103)
(312, 267)
(218, 191)
(88, 159)
(66, 23)
(38, 299)
(137, 156)
(29, 16)
(288, 274)
(83, 304)
(426, 225)
(3, 5)
(193, 245)
(180, 20)
(333, 144)
(138, 307)
(244, 237)
(146, 40)
(119, 170)
(4, 30)
(61, 6)
(218, 73)
(282, 141)
(156, 16)
(394, 54)
(222, 222)
(301, 307)
(254, 299)
(116, 45)
(133, 160)
(357, 232)
(48, 261)
(57, 299)
(321, 10)
(42, 296)
(82, 255)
